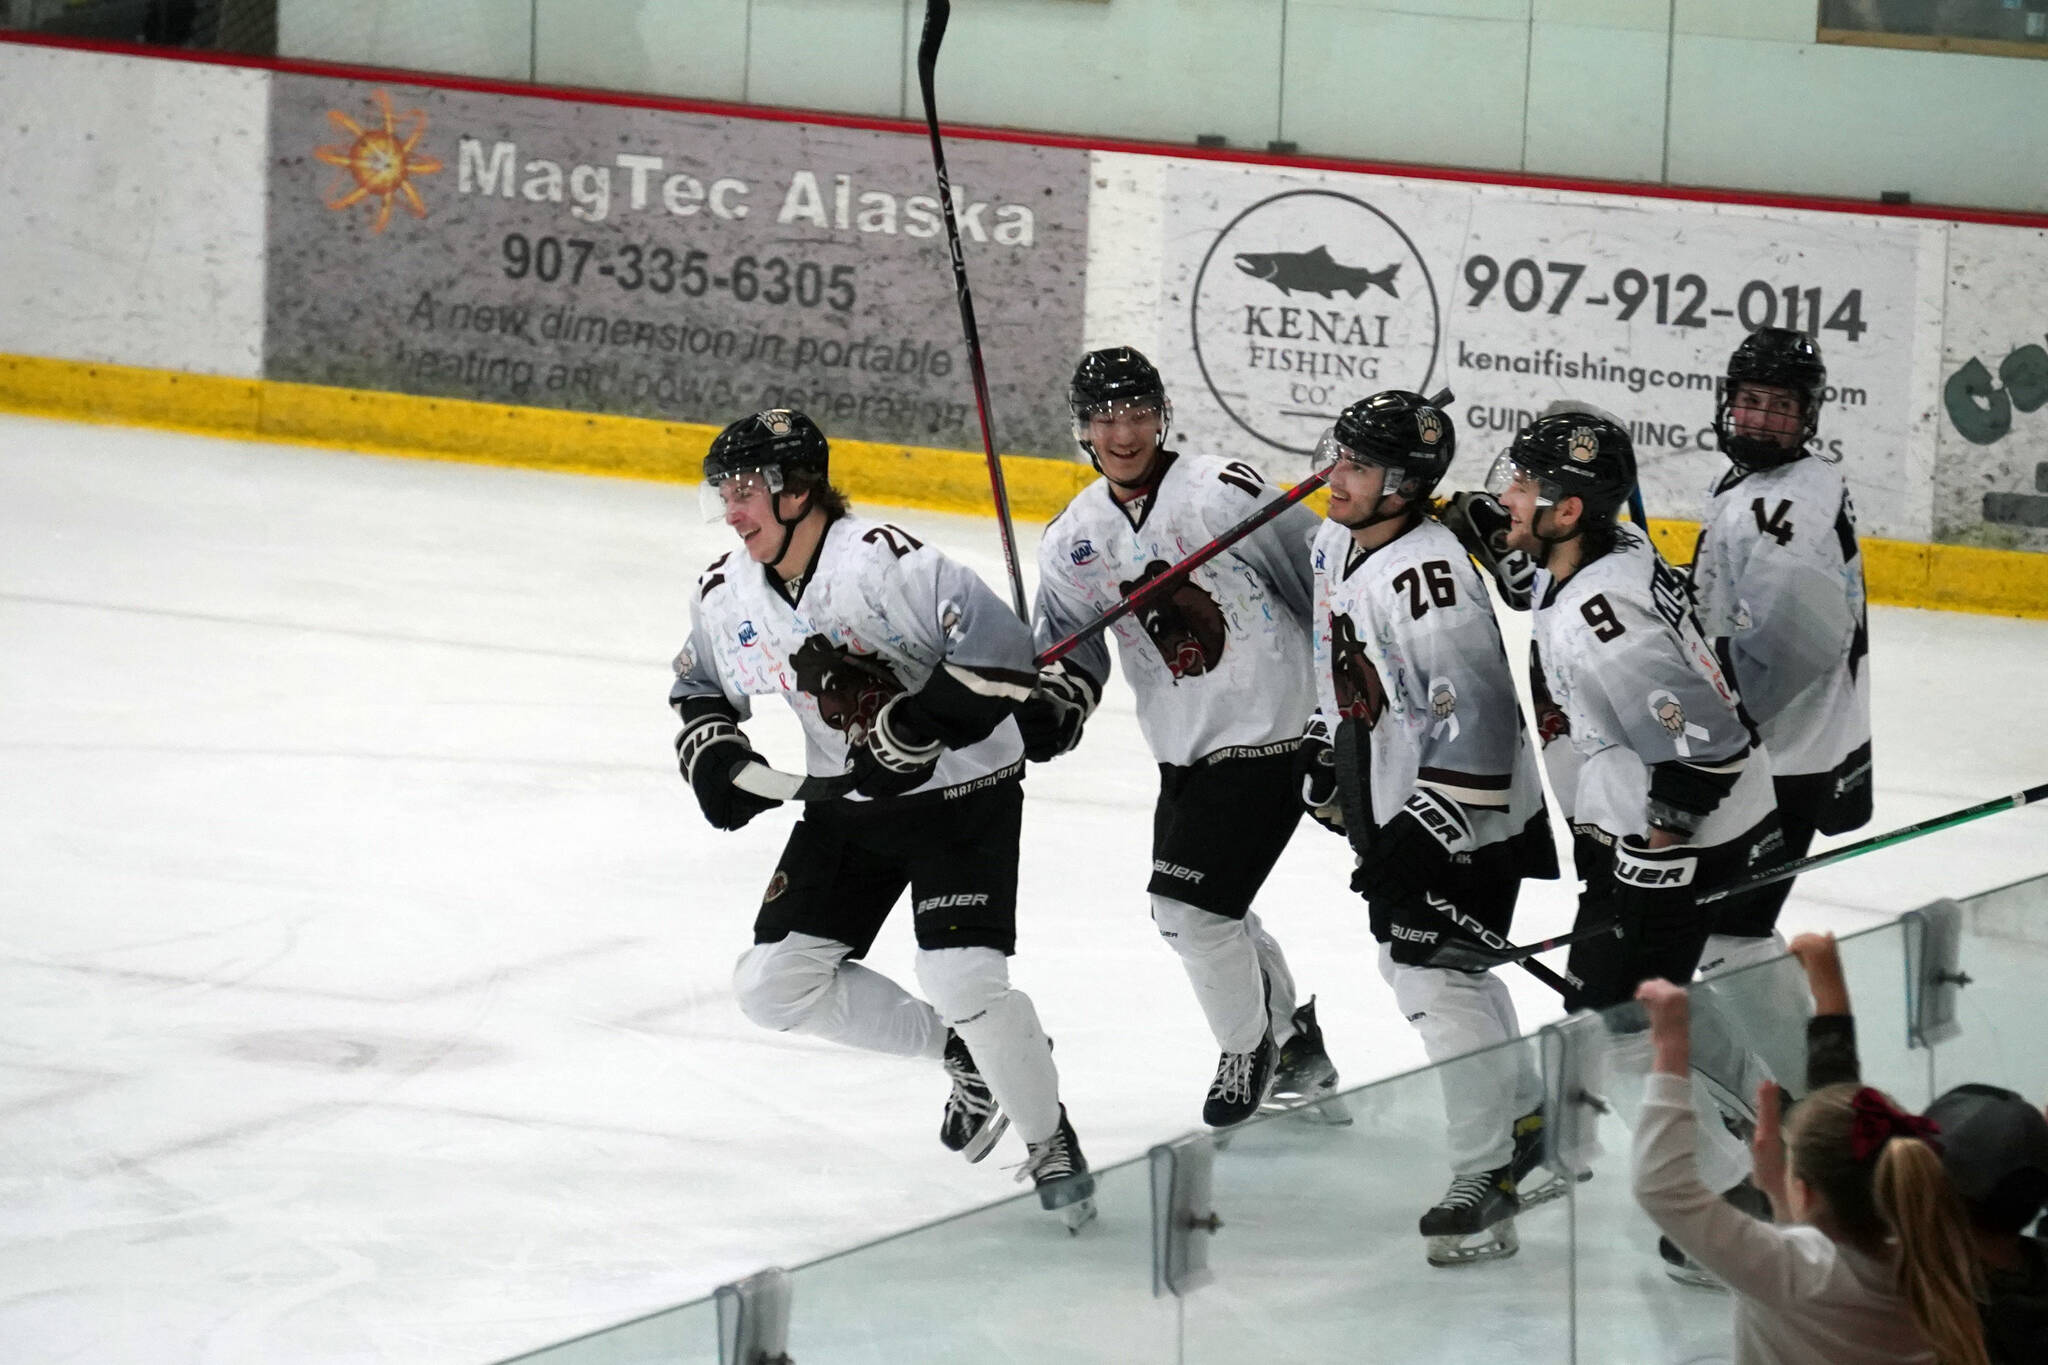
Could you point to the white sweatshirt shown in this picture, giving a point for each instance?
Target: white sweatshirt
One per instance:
(1800, 1298)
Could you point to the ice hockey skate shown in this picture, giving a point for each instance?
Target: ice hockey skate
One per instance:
(1527, 1166)
(973, 1120)
(1242, 1080)
(1474, 1221)
(1060, 1173)
(1304, 1077)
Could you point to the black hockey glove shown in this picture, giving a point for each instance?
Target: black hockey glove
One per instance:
(1481, 525)
(710, 750)
(1411, 851)
(897, 756)
(1315, 773)
(1051, 719)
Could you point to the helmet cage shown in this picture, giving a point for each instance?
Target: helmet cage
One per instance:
(1763, 452)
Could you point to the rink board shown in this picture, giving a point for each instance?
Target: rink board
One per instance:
(206, 249)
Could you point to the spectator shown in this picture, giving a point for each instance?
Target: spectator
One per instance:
(1872, 1263)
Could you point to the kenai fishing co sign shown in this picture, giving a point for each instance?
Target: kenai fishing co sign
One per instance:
(1306, 300)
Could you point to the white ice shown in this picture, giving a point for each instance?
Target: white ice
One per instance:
(364, 962)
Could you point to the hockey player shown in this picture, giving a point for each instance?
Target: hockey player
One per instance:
(1432, 775)
(1220, 666)
(1665, 791)
(904, 670)
(1779, 580)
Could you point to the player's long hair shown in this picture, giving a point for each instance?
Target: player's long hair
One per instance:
(826, 495)
(1895, 1201)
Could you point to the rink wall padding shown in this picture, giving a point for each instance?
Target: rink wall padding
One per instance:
(595, 281)
(1900, 573)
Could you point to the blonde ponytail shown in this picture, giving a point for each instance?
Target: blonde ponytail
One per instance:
(1937, 1271)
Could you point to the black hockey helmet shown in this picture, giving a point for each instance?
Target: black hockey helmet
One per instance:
(1571, 454)
(1784, 359)
(1401, 432)
(1994, 1145)
(781, 445)
(1108, 382)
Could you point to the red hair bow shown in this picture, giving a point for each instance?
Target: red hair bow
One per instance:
(1876, 1121)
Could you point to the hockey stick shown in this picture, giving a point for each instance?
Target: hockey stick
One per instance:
(1141, 595)
(1474, 957)
(772, 784)
(1897, 836)
(936, 13)
(1635, 509)
(1564, 983)
(1145, 593)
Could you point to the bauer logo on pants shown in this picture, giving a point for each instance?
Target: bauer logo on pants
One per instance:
(1653, 872)
(1305, 301)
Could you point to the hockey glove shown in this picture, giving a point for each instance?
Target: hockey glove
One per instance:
(1051, 719)
(710, 751)
(1315, 772)
(1411, 851)
(896, 757)
(1481, 525)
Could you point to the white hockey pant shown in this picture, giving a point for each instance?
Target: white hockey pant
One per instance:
(1224, 959)
(804, 984)
(1484, 1093)
(1722, 1158)
(1761, 991)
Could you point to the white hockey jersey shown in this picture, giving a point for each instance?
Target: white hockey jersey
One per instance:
(1779, 580)
(881, 612)
(1623, 656)
(1407, 647)
(1222, 661)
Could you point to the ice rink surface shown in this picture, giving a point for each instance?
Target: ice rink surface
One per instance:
(364, 961)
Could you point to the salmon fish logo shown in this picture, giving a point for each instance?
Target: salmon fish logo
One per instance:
(1314, 272)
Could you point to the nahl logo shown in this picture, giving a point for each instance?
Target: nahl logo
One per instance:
(1186, 874)
(748, 635)
(1082, 552)
(958, 901)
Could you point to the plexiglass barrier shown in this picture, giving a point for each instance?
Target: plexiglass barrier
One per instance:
(1309, 1229)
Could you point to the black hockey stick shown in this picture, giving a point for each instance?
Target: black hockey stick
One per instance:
(936, 13)
(1564, 983)
(1897, 836)
(1141, 595)
(1473, 956)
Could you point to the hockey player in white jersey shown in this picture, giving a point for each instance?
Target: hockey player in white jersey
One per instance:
(904, 670)
(1779, 579)
(1667, 794)
(1418, 753)
(1220, 666)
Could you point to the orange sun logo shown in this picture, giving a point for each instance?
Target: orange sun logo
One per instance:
(380, 160)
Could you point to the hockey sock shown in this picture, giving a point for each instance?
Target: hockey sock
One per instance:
(1454, 1014)
(971, 989)
(1281, 999)
(803, 984)
(1762, 992)
(1222, 963)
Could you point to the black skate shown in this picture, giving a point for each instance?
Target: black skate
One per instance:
(973, 1121)
(1474, 1221)
(1304, 1077)
(1060, 1173)
(1527, 1164)
(1242, 1079)
(1683, 1268)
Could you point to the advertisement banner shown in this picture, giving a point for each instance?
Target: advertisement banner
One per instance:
(1300, 292)
(1991, 469)
(687, 267)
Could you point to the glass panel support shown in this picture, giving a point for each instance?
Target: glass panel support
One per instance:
(1574, 1098)
(753, 1320)
(1183, 1215)
(1934, 975)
